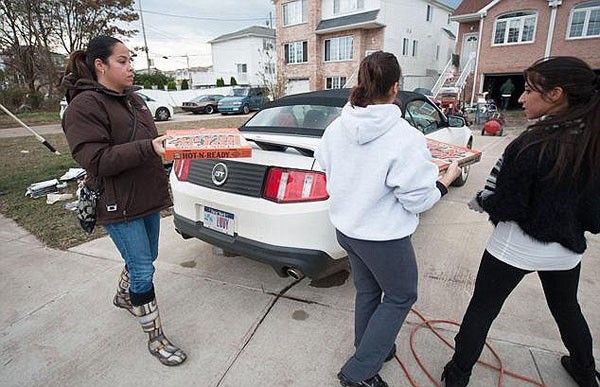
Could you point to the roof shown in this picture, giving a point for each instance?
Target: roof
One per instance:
(451, 3)
(259, 31)
(357, 19)
(468, 7)
(449, 33)
(332, 97)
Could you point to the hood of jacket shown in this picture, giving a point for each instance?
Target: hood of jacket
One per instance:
(366, 124)
(75, 86)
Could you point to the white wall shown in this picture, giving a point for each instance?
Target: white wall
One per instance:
(407, 19)
(226, 55)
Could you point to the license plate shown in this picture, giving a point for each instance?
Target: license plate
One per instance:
(218, 220)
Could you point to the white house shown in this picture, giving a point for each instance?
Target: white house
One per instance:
(321, 42)
(248, 55)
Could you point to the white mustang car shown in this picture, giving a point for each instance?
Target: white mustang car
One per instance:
(272, 207)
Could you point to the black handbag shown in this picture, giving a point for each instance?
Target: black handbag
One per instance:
(88, 197)
(86, 207)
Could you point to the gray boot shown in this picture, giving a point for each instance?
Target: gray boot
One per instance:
(158, 344)
(122, 298)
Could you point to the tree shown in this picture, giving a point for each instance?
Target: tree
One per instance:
(232, 81)
(147, 84)
(184, 85)
(172, 85)
(269, 78)
(220, 82)
(30, 30)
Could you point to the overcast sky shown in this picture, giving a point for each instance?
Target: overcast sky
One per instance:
(175, 28)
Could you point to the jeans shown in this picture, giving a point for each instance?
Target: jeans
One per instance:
(378, 267)
(495, 281)
(505, 102)
(137, 241)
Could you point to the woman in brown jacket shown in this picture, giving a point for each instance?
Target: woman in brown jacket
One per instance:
(111, 133)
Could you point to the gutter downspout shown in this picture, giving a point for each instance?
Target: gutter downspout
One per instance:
(553, 4)
(481, 17)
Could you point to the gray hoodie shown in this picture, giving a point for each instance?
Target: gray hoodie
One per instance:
(379, 173)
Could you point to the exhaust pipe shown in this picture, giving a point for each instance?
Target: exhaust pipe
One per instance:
(294, 273)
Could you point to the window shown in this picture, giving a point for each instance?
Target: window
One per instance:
(429, 16)
(294, 12)
(268, 44)
(515, 27)
(338, 49)
(423, 116)
(335, 82)
(415, 47)
(345, 6)
(585, 20)
(296, 52)
(405, 43)
(242, 68)
(437, 52)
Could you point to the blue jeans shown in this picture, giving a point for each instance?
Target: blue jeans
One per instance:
(137, 241)
(378, 267)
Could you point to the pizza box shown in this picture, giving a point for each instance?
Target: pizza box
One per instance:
(192, 144)
(443, 154)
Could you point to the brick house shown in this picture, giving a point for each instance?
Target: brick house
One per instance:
(320, 43)
(507, 36)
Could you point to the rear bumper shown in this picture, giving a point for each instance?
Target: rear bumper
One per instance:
(313, 263)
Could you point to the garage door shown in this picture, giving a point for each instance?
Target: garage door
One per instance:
(296, 86)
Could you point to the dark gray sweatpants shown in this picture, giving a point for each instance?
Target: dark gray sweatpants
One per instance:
(387, 267)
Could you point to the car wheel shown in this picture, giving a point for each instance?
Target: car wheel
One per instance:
(464, 173)
(162, 114)
(246, 109)
(209, 109)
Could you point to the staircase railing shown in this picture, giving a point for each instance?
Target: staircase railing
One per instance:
(467, 70)
(442, 79)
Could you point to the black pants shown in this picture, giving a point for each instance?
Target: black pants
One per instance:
(495, 281)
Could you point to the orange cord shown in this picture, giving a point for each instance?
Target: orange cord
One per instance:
(430, 325)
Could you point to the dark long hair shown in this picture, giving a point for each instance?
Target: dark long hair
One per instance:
(572, 135)
(376, 75)
(81, 63)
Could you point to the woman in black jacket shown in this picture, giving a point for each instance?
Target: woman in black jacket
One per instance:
(111, 133)
(542, 196)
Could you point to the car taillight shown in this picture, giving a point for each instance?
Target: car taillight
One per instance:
(291, 185)
(182, 169)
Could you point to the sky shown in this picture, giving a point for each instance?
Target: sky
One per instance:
(177, 28)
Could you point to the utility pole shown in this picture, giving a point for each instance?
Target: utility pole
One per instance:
(144, 34)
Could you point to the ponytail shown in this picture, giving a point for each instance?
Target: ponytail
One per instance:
(376, 75)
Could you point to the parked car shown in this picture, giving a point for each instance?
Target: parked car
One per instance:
(160, 111)
(202, 104)
(244, 99)
(273, 207)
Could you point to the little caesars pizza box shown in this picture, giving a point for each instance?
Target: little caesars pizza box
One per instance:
(203, 143)
(443, 154)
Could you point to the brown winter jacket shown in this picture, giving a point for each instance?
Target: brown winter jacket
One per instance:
(98, 125)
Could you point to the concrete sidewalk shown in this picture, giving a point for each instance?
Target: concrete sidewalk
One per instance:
(242, 326)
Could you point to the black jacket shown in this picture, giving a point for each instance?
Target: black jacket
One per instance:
(545, 209)
(98, 125)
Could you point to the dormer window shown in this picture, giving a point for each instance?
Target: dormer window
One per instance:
(347, 6)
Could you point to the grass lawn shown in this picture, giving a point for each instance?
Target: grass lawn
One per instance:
(24, 160)
(31, 119)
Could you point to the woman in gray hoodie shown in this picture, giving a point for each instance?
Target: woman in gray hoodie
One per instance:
(379, 178)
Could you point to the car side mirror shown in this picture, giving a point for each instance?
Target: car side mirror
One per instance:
(456, 122)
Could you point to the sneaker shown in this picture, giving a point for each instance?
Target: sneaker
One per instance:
(375, 381)
(583, 377)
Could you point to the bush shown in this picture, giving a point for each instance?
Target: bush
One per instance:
(232, 81)
(172, 85)
(12, 97)
(147, 84)
(220, 82)
(184, 85)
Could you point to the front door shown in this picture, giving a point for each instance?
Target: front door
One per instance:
(469, 48)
